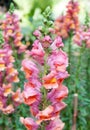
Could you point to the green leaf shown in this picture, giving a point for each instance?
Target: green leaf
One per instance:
(12, 8)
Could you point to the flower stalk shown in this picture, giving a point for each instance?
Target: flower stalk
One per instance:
(45, 71)
(75, 106)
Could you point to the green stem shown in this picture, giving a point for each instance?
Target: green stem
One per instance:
(13, 120)
(68, 81)
(74, 127)
(43, 126)
(78, 68)
(3, 124)
(70, 52)
(14, 51)
(45, 102)
(87, 70)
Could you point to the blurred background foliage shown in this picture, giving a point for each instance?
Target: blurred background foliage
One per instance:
(30, 13)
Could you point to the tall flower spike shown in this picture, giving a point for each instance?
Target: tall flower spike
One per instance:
(44, 90)
(69, 21)
(12, 33)
(82, 36)
(8, 76)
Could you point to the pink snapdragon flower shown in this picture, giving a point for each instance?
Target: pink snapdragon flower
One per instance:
(17, 97)
(58, 61)
(56, 124)
(45, 71)
(31, 95)
(8, 109)
(69, 22)
(78, 38)
(12, 33)
(34, 109)
(57, 95)
(50, 81)
(8, 76)
(37, 33)
(45, 114)
(29, 68)
(29, 123)
(82, 36)
(57, 43)
(46, 41)
(38, 52)
(33, 83)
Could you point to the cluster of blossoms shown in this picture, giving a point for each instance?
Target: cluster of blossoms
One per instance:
(64, 24)
(45, 71)
(82, 36)
(11, 32)
(10, 98)
(8, 75)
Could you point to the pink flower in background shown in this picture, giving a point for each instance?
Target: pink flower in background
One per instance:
(12, 32)
(17, 97)
(86, 36)
(8, 109)
(8, 76)
(7, 89)
(2, 62)
(82, 37)
(68, 22)
(78, 37)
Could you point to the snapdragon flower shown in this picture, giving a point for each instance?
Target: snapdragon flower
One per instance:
(45, 71)
(68, 22)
